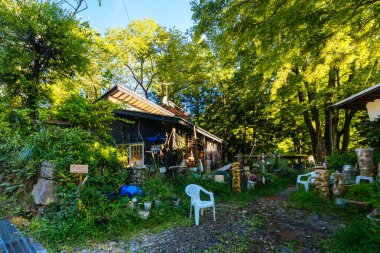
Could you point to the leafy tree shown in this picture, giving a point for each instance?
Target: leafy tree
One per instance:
(309, 54)
(136, 51)
(40, 43)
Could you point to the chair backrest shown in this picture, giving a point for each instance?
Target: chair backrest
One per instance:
(313, 175)
(193, 191)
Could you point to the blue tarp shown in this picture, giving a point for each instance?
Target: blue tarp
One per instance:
(130, 190)
(157, 137)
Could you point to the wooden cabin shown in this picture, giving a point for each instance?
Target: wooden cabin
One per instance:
(160, 135)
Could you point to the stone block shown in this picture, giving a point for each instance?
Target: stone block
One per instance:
(44, 192)
(47, 170)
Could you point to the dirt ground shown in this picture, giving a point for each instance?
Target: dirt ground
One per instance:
(269, 224)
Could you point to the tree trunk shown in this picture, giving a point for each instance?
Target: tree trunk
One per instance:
(314, 131)
(345, 131)
(329, 114)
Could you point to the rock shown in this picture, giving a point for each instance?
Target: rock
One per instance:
(38, 248)
(313, 216)
(47, 170)
(40, 211)
(44, 192)
(298, 213)
(111, 244)
(287, 250)
(134, 246)
(123, 246)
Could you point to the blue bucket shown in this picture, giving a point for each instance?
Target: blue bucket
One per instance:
(340, 202)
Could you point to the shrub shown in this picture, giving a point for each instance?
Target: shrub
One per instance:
(308, 200)
(159, 188)
(96, 222)
(359, 236)
(369, 193)
(336, 162)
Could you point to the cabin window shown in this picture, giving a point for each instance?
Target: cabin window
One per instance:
(135, 153)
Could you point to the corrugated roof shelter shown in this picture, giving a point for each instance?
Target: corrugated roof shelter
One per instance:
(368, 99)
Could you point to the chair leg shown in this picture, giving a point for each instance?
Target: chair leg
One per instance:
(306, 187)
(190, 210)
(213, 209)
(196, 214)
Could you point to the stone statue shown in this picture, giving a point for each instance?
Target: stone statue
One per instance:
(339, 188)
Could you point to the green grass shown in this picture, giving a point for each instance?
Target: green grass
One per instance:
(360, 234)
(369, 193)
(57, 230)
(311, 202)
(102, 219)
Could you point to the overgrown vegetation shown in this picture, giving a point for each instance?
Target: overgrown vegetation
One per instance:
(360, 234)
(266, 91)
(369, 193)
(104, 218)
(336, 162)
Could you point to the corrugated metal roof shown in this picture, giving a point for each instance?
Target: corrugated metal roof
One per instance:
(359, 100)
(142, 107)
(124, 95)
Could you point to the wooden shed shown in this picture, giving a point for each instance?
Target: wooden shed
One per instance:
(160, 135)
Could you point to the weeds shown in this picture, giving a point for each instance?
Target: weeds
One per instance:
(360, 235)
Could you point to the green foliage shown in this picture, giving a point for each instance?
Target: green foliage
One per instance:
(40, 43)
(138, 49)
(220, 190)
(369, 193)
(292, 60)
(371, 130)
(336, 162)
(273, 185)
(22, 156)
(159, 188)
(359, 236)
(103, 219)
(81, 112)
(310, 200)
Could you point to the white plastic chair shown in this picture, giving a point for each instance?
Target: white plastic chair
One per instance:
(310, 179)
(359, 178)
(193, 191)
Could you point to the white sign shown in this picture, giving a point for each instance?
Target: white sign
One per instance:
(79, 168)
(219, 178)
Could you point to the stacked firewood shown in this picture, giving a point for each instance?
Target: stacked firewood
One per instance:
(236, 185)
(322, 183)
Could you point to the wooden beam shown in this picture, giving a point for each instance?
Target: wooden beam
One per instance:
(117, 94)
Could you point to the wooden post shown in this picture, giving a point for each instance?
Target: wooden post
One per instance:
(196, 158)
(79, 169)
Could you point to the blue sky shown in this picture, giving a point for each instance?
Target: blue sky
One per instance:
(168, 13)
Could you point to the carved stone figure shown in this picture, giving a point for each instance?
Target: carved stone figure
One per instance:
(339, 188)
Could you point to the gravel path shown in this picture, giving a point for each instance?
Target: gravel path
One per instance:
(268, 224)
